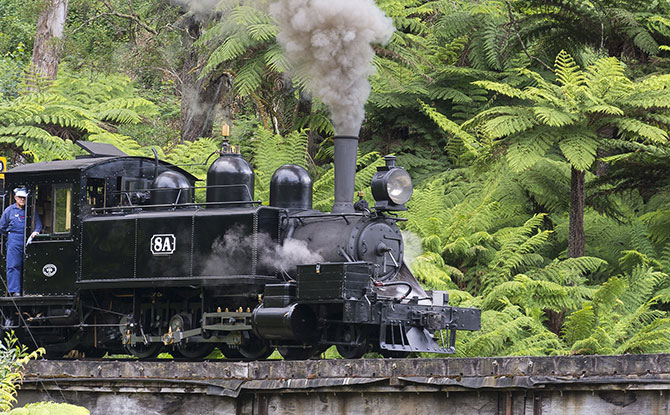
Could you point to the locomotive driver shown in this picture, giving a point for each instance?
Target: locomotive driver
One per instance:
(13, 225)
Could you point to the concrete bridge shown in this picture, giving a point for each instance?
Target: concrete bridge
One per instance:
(589, 385)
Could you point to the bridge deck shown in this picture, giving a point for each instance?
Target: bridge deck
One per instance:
(501, 383)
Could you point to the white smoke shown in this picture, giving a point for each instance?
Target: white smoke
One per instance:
(413, 249)
(330, 40)
(198, 7)
(231, 254)
(285, 257)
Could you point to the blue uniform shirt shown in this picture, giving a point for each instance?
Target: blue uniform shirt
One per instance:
(13, 221)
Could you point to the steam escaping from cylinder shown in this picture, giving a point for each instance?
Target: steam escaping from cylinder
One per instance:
(330, 42)
(231, 253)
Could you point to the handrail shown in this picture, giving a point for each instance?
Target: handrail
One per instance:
(197, 204)
(126, 194)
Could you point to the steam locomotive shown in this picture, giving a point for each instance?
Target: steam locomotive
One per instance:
(128, 262)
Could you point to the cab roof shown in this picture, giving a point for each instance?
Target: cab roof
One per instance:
(85, 163)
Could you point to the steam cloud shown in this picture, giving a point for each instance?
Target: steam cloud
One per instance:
(231, 254)
(198, 7)
(287, 256)
(331, 41)
(413, 249)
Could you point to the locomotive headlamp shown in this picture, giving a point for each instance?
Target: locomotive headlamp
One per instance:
(391, 186)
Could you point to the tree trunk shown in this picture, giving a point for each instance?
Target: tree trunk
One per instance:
(199, 97)
(49, 38)
(576, 238)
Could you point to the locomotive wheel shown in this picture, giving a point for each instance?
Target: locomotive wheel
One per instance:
(193, 350)
(230, 352)
(297, 353)
(93, 352)
(140, 350)
(394, 354)
(352, 352)
(145, 351)
(51, 355)
(254, 347)
(182, 322)
(356, 335)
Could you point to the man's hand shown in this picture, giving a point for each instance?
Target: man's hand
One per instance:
(34, 234)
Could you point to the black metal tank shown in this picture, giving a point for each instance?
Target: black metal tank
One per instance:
(171, 187)
(291, 188)
(230, 178)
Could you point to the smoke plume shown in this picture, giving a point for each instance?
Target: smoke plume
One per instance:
(330, 41)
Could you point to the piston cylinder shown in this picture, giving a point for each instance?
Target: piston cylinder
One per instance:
(295, 322)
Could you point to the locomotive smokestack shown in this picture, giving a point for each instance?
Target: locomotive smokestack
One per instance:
(345, 170)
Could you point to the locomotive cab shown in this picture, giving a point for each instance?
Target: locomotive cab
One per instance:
(50, 257)
(64, 194)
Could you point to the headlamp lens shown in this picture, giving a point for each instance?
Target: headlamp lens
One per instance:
(399, 186)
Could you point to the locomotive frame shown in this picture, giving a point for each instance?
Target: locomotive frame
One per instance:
(125, 266)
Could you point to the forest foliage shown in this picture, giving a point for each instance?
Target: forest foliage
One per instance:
(490, 105)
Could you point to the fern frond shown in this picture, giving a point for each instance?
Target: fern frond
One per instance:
(568, 73)
(643, 130)
(579, 148)
(506, 125)
(554, 117)
(503, 89)
(451, 127)
(579, 325)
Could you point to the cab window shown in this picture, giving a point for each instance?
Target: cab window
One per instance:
(133, 191)
(53, 204)
(42, 208)
(62, 209)
(96, 193)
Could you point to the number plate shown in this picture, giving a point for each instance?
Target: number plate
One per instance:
(163, 244)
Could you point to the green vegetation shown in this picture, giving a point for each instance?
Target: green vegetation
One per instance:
(537, 136)
(12, 358)
(49, 408)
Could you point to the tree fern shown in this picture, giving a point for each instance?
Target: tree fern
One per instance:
(569, 75)
(44, 125)
(500, 329)
(271, 151)
(192, 155)
(433, 273)
(579, 325)
(579, 148)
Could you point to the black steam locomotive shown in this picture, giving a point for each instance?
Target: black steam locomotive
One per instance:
(127, 261)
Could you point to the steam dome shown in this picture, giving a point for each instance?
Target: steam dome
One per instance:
(171, 187)
(230, 179)
(291, 188)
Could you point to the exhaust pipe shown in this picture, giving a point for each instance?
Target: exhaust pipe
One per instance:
(346, 147)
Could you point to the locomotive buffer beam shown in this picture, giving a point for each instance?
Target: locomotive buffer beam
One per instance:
(406, 327)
